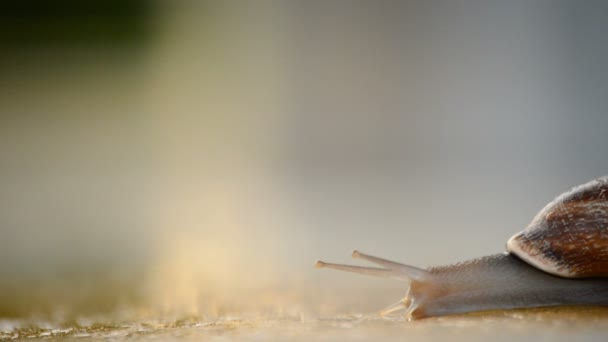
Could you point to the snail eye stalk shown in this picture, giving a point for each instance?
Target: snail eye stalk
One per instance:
(393, 270)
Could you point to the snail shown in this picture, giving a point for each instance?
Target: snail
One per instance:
(560, 259)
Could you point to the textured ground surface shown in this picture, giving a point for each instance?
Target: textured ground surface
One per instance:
(590, 324)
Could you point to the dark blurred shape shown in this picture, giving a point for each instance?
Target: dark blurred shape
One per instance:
(69, 22)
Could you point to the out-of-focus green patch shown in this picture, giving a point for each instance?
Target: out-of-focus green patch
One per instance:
(69, 22)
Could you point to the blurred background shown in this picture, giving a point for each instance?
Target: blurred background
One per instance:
(193, 158)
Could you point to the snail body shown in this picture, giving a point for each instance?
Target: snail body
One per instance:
(561, 258)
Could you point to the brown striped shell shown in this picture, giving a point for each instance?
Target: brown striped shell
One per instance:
(569, 236)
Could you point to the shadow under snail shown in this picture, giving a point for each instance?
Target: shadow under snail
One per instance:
(560, 259)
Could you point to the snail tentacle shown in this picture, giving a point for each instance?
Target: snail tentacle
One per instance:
(422, 283)
(402, 304)
(393, 270)
(413, 273)
(373, 271)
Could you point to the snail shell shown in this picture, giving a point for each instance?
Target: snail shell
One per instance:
(569, 236)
